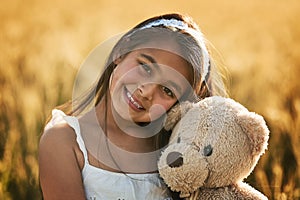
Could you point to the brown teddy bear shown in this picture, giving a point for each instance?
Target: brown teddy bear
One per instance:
(213, 147)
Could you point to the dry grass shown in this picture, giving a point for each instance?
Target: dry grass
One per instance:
(43, 42)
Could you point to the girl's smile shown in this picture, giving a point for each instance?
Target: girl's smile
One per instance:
(132, 101)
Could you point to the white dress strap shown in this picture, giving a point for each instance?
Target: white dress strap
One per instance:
(73, 122)
(59, 117)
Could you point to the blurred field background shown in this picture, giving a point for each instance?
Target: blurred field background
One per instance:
(43, 43)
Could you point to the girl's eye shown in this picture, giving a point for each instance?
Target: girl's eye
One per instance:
(168, 92)
(146, 68)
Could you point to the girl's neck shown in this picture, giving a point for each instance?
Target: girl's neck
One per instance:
(113, 149)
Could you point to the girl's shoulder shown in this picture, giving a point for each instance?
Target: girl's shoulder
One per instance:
(60, 157)
(58, 130)
(59, 134)
(59, 140)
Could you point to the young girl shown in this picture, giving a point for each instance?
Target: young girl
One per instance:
(111, 150)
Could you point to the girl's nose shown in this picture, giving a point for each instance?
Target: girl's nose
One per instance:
(147, 90)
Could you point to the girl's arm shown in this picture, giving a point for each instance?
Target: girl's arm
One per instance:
(60, 163)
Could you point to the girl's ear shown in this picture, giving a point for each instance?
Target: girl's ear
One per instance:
(117, 59)
(117, 56)
(175, 114)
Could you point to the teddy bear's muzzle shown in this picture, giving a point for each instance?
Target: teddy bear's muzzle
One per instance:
(174, 159)
(183, 168)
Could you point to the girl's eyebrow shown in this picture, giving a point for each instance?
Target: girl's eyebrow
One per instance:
(150, 59)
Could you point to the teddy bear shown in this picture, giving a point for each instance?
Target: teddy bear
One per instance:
(214, 145)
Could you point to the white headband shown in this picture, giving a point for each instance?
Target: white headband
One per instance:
(198, 36)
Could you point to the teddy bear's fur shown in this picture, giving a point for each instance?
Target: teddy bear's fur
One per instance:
(214, 146)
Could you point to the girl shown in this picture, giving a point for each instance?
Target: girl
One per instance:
(111, 151)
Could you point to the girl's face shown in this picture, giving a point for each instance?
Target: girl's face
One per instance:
(147, 82)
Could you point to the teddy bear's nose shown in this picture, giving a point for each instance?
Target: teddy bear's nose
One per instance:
(174, 159)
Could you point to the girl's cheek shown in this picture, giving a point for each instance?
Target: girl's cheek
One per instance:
(131, 75)
(156, 111)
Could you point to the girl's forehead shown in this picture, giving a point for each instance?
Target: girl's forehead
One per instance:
(163, 44)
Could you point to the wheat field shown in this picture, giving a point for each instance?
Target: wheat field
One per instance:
(43, 44)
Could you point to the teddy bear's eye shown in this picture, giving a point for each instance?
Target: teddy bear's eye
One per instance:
(178, 140)
(208, 150)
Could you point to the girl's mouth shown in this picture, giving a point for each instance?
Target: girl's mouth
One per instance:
(131, 101)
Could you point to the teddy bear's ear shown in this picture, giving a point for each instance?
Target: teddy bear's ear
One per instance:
(175, 114)
(256, 129)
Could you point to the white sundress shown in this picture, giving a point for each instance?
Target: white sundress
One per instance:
(101, 184)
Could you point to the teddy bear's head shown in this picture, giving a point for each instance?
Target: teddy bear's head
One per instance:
(216, 143)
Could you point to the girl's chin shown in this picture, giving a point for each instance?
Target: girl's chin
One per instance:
(142, 124)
